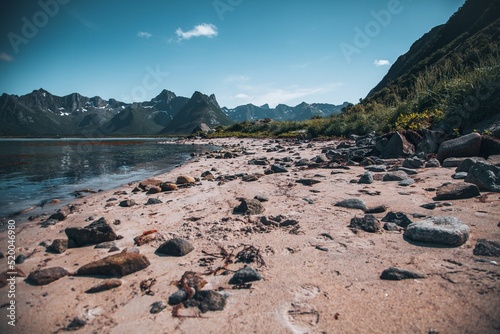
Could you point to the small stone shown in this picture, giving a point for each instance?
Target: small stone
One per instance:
(397, 274)
(398, 218)
(279, 169)
(104, 286)
(20, 259)
(245, 275)
(249, 207)
(105, 245)
(207, 300)
(376, 168)
(261, 198)
(153, 201)
(368, 224)
(352, 203)
(377, 209)
(97, 232)
(406, 183)
(366, 178)
(61, 214)
(429, 206)
(185, 179)
(432, 163)
(408, 171)
(127, 203)
(459, 176)
(308, 182)
(76, 324)
(177, 297)
(46, 276)
(395, 176)
(168, 186)
(59, 246)
(392, 227)
(175, 247)
(115, 265)
(157, 307)
(413, 163)
(438, 230)
(153, 190)
(487, 248)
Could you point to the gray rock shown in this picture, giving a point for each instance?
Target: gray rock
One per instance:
(487, 248)
(447, 231)
(308, 182)
(398, 218)
(121, 264)
(465, 146)
(20, 259)
(245, 275)
(97, 232)
(397, 274)
(46, 276)
(459, 176)
(432, 163)
(352, 203)
(395, 176)
(157, 307)
(467, 164)
(368, 224)
(175, 247)
(105, 245)
(249, 207)
(408, 171)
(494, 160)
(207, 300)
(259, 162)
(406, 183)
(413, 163)
(454, 191)
(486, 177)
(392, 227)
(59, 246)
(76, 324)
(153, 201)
(279, 169)
(452, 162)
(376, 168)
(127, 203)
(398, 146)
(177, 297)
(366, 178)
(61, 214)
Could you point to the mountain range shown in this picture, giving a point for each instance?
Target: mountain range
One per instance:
(40, 113)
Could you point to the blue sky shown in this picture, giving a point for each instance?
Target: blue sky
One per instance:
(243, 51)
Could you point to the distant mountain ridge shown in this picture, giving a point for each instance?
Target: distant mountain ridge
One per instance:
(40, 113)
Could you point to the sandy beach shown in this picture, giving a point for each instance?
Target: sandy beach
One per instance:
(318, 274)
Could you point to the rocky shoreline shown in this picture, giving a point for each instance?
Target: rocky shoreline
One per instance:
(276, 236)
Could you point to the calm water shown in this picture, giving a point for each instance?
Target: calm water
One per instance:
(34, 171)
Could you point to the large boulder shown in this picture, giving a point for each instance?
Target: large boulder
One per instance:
(465, 146)
(46, 276)
(485, 176)
(447, 231)
(467, 164)
(397, 147)
(95, 233)
(454, 191)
(115, 265)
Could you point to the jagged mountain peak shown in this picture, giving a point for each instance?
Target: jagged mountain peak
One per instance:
(165, 96)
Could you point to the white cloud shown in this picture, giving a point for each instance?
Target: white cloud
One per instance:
(241, 96)
(381, 62)
(201, 30)
(144, 34)
(4, 56)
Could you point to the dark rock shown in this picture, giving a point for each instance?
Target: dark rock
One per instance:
(46, 276)
(447, 231)
(408, 171)
(457, 191)
(20, 259)
(250, 178)
(303, 162)
(395, 176)
(486, 177)
(487, 248)
(97, 232)
(249, 207)
(398, 146)
(432, 163)
(308, 182)
(185, 179)
(175, 247)
(153, 190)
(431, 141)
(207, 300)
(61, 214)
(259, 162)
(366, 178)
(76, 324)
(177, 297)
(261, 198)
(59, 246)
(467, 164)
(168, 186)
(245, 275)
(368, 224)
(490, 145)
(406, 183)
(127, 203)
(157, 307)
(153, 201)
(115, 265)
(452, 162)
(397, 274)
(376, 209)
(429, 206)
(376, 168)
(104, 286)
(413, 163)
(398, 218)
(278, 169)
(459, 176)
(352, 203)
(465, 146)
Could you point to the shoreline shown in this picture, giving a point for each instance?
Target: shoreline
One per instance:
(319, 275)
